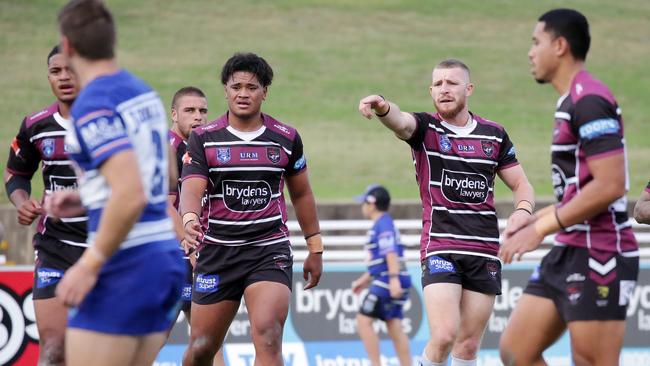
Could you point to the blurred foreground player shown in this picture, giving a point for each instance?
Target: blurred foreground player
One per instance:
(386, 277)
(126, 288)
(58, 244)
(585, 282)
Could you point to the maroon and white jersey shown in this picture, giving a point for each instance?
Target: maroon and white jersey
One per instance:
(40, 139)
(455, 169)
(588, 125)
(179, 147)
(245, 173)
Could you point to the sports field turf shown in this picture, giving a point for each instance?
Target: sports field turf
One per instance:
(328, 54)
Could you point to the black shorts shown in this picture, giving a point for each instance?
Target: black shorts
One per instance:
(223, 272)
(52, 259)
(472, 272)
(186, 295)
(585, 284)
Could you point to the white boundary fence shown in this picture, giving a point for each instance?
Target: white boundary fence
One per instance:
(344, 240)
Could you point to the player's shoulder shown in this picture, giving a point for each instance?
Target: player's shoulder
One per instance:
(584, 86)
(174, 139)
(213, 126)
(41, 115)
(278, 127)
(488, 123)
(427, 117)
(385, 222)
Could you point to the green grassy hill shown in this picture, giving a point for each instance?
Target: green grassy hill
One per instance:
(328, 54)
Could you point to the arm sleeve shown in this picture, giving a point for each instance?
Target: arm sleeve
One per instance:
(194, 160)
(24, 157)
(103, 134)
(297, 161)
(507, 155)
(421, 125)
(597, 126)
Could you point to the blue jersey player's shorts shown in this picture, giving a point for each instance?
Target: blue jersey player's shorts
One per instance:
(138, 292)
(379, 305)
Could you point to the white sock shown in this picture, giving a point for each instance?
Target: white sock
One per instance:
(424, 361)
(460, 362)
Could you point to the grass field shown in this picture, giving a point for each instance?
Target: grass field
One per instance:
(328, 54)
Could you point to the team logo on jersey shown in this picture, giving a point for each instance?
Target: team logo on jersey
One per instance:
(445, 144)
(273, 154)
(47, 146)
(488, 148)
(246, 195)
(223, 155)
(463, 187)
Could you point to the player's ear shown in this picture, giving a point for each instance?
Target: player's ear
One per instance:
(561, 46)
(266, 89)
(174, 115)
(470, 89)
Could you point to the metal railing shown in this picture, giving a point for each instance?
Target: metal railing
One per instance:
(344, 240)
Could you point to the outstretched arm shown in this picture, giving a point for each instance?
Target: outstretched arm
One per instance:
(401, 123)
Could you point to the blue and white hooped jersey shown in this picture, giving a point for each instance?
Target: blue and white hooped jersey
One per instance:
(383, 239)
(114, 113)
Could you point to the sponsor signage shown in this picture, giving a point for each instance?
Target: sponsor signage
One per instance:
(321, 327)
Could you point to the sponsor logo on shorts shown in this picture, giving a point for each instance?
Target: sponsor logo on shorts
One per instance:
(369, 303)
(439, 265)
(603, 294)
(463, 187)
(47, 277)
(47, 146)
(223, 155)
(575, 277)
(512, 151)
(535, 276)
(186, 295)
(625, 292)
(246, 195)
(445, 144)
(282, 261)
(273, 154)
(488, 148)
(206, 283)
(574, 292)
(492, 268)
